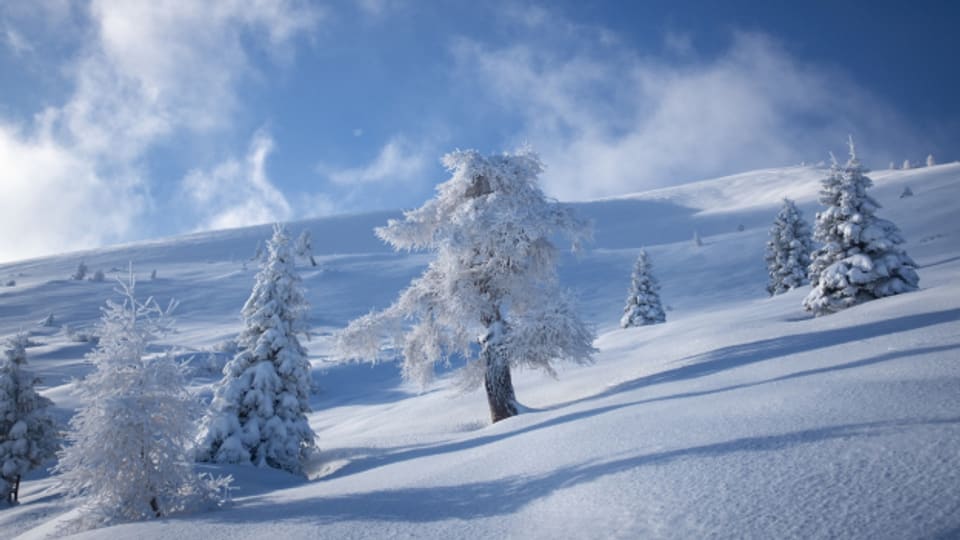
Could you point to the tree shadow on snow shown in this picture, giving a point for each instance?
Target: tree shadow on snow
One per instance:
(508, 495)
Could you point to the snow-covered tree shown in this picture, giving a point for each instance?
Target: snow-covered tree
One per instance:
(80, 273)
(930, 161)
(643, 299)
(258, 413)
(907, 164)
(97, 276)
(892, 166)
(860, 257)
(305, 247)
(129, 443)
(28, 434)
(907, 192)
(788, 250)
(491, 294)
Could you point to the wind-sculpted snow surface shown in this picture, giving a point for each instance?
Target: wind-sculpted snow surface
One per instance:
(741, 417)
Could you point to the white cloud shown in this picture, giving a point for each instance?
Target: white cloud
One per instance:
(397, 161)
(15, 40)
(146, 71)
(609, 121)
(52, 199)
(237, 193)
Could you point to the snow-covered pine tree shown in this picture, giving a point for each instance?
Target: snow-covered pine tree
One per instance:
(930, 161)
(129, 443)
(493, 282)
(28, 434)
(258, 413)
(80, 273)
(643, 299)
(860, 257)
(305, 247)
(788, 250)
(907, 164)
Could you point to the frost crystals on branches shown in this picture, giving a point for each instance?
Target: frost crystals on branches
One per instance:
(491, 294)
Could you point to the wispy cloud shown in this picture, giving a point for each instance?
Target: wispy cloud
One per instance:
(237, 192)
(608, 120)
(397, 161)
(145, 72)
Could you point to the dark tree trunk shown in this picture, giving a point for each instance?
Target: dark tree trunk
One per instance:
(497, 379)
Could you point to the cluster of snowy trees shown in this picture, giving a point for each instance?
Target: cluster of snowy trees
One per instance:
(130, 448)
(490, 296)
(860, 256)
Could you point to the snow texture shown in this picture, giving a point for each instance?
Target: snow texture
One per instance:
(860, 257)
(28, 434)
(643, 299)
(258, 414)
(493, 282)
(128, 452)
(788, 250)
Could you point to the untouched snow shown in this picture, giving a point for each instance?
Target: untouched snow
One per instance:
(741, 417)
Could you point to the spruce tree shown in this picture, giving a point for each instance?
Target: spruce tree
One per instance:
(494, 276)
(788, 250)
(643, 299)
(861, 257)
(28, 434)
(128, 455)
(258, 413)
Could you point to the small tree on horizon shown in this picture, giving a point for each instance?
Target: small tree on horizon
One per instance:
(129, 442)
(258, 413)
(930, 161)
(28, 434)
(860, 257)
(494, 276)
(788, 251)
(643, 299)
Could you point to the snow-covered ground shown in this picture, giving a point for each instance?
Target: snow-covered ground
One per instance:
(741, 417)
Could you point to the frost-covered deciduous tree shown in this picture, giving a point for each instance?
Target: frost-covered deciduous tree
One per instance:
(305, 247)
(129, 451)
(788, 250)
(258, 413)
(860, 257)
(28, 434)
(491, 294)
(643, 299)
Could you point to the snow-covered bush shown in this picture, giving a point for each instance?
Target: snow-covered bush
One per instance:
(130, 441)
(494, 276)
(788, 250)
(97, 276)
(48, 321)
(258, 413)
(907, 192)
(643, 299)
(860, 257)
(28, 434)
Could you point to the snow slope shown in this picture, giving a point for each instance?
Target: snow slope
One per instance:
(741, 417)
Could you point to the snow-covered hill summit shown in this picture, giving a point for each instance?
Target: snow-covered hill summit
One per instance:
(740, 417)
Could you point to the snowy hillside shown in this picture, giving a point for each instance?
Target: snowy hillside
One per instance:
(741, 417)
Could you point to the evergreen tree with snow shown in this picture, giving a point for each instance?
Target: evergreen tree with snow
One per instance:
(907, 164)
(128, 456)
(930, 161)
(491, 295)
(643, 299)
(305, 247)
(28, 434)
(860, 257)
(258, 413)
(788, 250)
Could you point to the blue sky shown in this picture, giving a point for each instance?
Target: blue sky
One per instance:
(122, 120)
